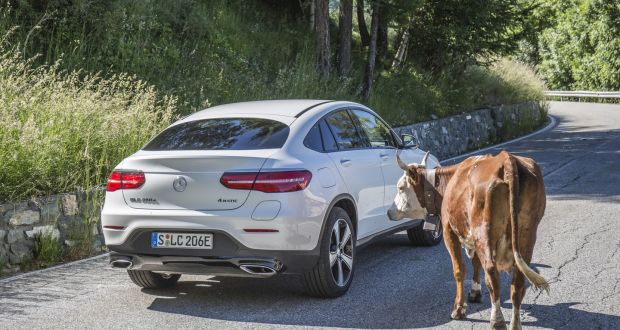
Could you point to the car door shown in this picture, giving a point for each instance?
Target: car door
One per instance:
(359, 168)
(383, 147)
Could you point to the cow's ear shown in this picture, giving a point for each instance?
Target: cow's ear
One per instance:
(412, 172)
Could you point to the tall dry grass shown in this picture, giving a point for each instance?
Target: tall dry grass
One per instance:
(60, 131)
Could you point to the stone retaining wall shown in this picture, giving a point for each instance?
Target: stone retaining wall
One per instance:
(455, 135)
(73, 218)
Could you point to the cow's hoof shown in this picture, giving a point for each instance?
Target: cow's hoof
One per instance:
(458, 313)
(474, 297)
(498, 325)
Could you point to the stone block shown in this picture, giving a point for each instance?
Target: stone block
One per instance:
(69, 205)
(23, 217)
(15, 235)
(20, 252)
(4, 254)
(2, 235)
(50, 209)
(43, 229)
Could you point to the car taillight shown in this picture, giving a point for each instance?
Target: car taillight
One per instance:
(269, 182)
(125, 180)
(238, 180)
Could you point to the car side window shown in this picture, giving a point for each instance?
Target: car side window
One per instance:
(329, 143)
(378, 133)
(313, 140)
(344, 130)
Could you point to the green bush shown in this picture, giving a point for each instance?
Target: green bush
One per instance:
(60, 131)
(410, 96)
(47, 249)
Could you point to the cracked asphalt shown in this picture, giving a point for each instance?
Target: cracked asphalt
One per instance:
(395, 285)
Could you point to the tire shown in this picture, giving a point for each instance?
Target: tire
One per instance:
(150, 280)
(420, 237)
(330, 279)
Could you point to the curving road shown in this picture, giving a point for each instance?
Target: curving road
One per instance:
(396, 286)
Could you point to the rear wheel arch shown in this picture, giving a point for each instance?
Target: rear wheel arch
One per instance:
(345, 202)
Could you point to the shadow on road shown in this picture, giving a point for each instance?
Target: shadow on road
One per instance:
(396, 286)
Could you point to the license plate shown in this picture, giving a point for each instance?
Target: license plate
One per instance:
(181, 241)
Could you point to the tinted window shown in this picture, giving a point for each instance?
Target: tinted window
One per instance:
(344, 131)
(378, 133)
(313, 139)
(222, 134)
(329, 143)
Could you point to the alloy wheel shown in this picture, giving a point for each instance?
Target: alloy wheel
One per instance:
(341, 252)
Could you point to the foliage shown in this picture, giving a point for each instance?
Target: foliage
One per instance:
(86, 83)
(47, 249)
(449, 34)
(60, 131)
(504, 82)
(578, 44)
(203, 52)
(81, 238)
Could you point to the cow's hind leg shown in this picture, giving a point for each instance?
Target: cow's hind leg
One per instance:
(458, 267)
(517, 291)
(475, 295)
(491, 277)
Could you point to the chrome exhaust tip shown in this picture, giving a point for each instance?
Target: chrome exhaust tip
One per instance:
(258, 270)
(123, 263)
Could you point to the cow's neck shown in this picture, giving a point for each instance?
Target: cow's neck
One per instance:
(442, 177)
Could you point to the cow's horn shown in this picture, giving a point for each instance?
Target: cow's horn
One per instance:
(423, 164)
(400, 162)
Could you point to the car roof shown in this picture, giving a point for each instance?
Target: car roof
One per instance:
(288, 108)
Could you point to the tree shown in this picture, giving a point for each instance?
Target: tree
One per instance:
(401, 53)
(344, 45)
(321, 27)
(372, 50)
(581, 51)
(361, 23)
(453, 33)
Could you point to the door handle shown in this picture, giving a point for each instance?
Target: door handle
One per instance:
(384, 156)
(345, 162)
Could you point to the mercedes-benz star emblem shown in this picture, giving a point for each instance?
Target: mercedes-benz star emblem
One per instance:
(179, 184)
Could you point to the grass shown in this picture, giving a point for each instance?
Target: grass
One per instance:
(60, 131)
(47, 250)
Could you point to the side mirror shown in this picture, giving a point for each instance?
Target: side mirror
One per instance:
(409, 141)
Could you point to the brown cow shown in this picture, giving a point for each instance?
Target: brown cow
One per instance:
(491, 206)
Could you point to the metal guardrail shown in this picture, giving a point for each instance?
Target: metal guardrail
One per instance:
(583, 94)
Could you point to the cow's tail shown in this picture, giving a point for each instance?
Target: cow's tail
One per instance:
(511, 176)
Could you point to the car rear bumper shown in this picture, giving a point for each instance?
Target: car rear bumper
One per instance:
(228, 258)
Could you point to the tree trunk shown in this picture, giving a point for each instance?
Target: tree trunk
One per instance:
(344, 50)
(382, 36)
(321, 27)
(372, 51)
(361, 23)
(401, 53)
(312, 12)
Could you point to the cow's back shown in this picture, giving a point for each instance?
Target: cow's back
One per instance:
(479, 186)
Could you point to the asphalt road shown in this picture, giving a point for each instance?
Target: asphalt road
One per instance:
(395, 286)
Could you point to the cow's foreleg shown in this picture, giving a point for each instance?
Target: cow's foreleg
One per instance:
(458, 267)
(475, 295)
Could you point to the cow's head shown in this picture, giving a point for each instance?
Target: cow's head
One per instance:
(409, 199)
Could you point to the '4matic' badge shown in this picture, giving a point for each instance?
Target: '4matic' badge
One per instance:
(224, 200)
(179, 184)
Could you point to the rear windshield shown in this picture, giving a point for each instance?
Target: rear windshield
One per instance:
(222, 134)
